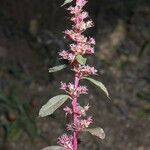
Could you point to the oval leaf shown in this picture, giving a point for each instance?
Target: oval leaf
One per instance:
(99, 84)
(66, 2)
(98, 132)
(53, 148)
(57, 68)
(52, 105)
(81, 59)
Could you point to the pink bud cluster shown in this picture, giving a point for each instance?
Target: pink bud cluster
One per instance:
(81, 111)
(84, 70)
(66, 141)
(72, 91)
(82, 45)
(80, 124)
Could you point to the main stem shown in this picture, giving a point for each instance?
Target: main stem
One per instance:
(75, 116)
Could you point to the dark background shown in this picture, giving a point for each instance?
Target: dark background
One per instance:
(31, 35)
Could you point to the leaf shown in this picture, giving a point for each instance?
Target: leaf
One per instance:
(98, 132)
(53, 148)
(81, 59)
(99, 84)
(52, 105)
(14, 132)
(57, 68)
(66, 2)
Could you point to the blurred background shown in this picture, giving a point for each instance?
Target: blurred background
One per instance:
(31, 35)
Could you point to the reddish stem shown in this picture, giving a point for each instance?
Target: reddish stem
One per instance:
(75, 116)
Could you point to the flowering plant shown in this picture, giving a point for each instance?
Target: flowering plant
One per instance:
(81, 45)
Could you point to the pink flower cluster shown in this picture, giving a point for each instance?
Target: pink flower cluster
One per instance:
(68, 56)
(66, 141)
(83, 44)
(80, 124)
(84, 70)
(80, 111)
(72, 91)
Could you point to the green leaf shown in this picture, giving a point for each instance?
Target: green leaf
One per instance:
(52, 105)
(66, 2)
(99, 84)
(57, 68)
(14, 131)
(53, 148)
(81, 59)
(98, 132)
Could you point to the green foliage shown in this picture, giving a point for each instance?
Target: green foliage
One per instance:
(66, 2)
(143, 112)
(53, 148)
(52, 105)
(17, 117)
(98, 132)
(56, 68)
(14, 131)
(81, 59)
(98, 84)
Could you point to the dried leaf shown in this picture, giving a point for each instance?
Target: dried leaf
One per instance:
(81, 59)
(98, 132)
(99, 84)
(66, 2)
(52, 105)
(57, 68)
(53, 148)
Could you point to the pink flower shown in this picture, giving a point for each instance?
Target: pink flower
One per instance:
(70, 127)
(70, 89)
(89, 24)
(71, 34)
(67, 55)
(82, 26)
(80, 124)
(83, 123)
(78, 48)
(75, 36)
(80, 38)
(81, 48)
(68, 110)
(91, 41)
(80, 17)
(84, 109)
(89, 49)
(82, 45)
(84, 70)
(81, 111)
(66, 142)
(81, 3)
(63, 86)
(82, 90)
(74, 10)
(86, 122)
